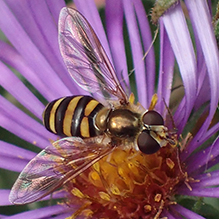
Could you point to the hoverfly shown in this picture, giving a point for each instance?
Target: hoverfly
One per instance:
(91, 130)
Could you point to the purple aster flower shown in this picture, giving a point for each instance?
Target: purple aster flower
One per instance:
(127, 183)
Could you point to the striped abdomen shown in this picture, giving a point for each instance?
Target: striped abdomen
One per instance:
(72, 116)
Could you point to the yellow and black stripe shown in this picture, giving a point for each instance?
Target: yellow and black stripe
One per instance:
(72, 116)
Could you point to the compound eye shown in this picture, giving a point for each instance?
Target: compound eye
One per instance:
(147, 144)
(152, 117)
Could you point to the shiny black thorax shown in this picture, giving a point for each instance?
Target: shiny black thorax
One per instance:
(123, 123)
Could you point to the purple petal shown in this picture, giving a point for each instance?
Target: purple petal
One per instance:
(8, 163)
(203, 139)
(178, 116)
(64, 215)
(168, 215)
(204, 94)
(199, 191)
(4, 194)
(185, 212)
(114, 24)
(55, 8)
(41, 212)
(207, 165)
(165, 71)
(201, 20)
(209, 179)
(137, 53)
(209, 133)
(16, 88)
(59, 194)
(11, 57)
(201, 159)
(13, 113)
(177, 30)
(48, 42)
(203, 90)
(31, 53)
(23, 132)
(147, 40)
(15, 151)
(89, 10)
(56, 195)
(44, 38)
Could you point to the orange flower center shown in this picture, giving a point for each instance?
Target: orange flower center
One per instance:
(127, 184)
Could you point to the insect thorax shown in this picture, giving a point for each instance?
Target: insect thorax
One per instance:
(118, 123)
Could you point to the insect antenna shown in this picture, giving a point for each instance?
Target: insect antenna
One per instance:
(174, 131)
(148, 50)
(123, 78)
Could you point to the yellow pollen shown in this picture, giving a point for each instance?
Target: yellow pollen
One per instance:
(157, 197)
(76, 192)
(132, 98)
(147, 208)
(104, 196)
(115, 190)
(83, 209)
(94, 176)
(87, 213)
(153, 102)
(121, 171)
(170, 163)
(96, 166)
(125, 181)
(133, 168)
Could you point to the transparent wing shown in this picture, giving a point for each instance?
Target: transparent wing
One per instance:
(54, 166)
(85, 58)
